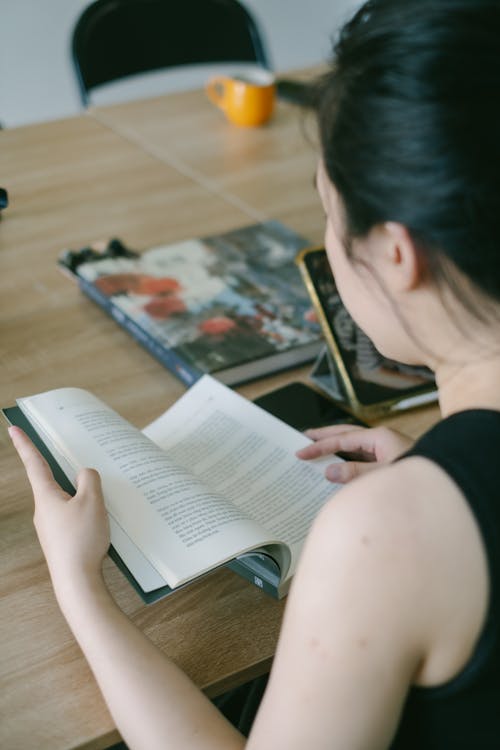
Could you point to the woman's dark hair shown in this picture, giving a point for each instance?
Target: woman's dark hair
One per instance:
(409, 120)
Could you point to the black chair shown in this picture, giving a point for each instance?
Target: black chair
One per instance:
(114, 39)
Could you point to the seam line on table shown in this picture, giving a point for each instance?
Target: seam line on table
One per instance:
(180, 167)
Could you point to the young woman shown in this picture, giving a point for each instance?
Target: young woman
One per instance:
(397, 643)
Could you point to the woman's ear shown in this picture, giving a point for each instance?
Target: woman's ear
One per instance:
(402, 261)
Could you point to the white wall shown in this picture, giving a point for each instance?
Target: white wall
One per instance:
(36, 76)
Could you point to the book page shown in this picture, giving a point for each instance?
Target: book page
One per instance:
(243, 453)
(180, 526)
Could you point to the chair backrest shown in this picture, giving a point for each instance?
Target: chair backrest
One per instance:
(114, 39)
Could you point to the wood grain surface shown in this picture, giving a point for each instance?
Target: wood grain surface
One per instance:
(148, 172)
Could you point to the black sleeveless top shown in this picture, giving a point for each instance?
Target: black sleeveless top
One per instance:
(464, 713)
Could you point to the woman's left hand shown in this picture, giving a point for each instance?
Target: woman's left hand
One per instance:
(367, 447)
(73, 531)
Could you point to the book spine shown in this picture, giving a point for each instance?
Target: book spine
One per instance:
(169, 359)
(239, 567)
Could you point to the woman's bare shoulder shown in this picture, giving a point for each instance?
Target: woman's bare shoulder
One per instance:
(406, 534)
(401, 495)
(386, 515)
(410, 512)
(379, 591)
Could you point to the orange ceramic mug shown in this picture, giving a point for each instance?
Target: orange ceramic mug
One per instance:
(246, 99)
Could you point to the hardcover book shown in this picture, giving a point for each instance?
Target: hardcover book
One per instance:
(232, 305)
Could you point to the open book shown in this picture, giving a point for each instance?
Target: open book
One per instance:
(212, 481)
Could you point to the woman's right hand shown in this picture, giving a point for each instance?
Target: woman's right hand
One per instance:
(73, 531)
(367, 448)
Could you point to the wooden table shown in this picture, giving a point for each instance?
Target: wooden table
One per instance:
(149, 172)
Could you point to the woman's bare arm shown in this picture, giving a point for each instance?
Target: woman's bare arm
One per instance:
(355, 633)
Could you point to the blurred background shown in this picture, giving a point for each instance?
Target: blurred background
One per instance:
(37, 82)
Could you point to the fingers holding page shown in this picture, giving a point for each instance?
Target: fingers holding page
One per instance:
(73, 531)
(37, 469)
(345, 471)
(335, 429)
(364, 448)
(338, 439)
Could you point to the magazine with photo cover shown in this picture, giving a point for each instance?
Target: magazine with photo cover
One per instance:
(231, 305)
(349, 368)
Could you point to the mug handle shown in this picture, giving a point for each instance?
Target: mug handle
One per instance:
(216, 90)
